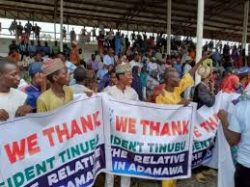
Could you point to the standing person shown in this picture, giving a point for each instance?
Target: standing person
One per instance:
(23, 48)
(13, 46)
(80, 77)
(121, 91)
(59, 93)
(118, 43)
(136, 61)
(230, 83)
(108, 60)
(19, 30)
(143, 79)
(46, 49)
(106, 79)
(112, 82)
(74, 54)
(12, 101)
(14, 56)
(28, 29)
(171, 94)
(72, 35)
(39, 47)
(100, 42)
(55, 48)
(204, 91)
(186, 67)
(237, 132)
(36, 29)
(93, 63)
(70, 67)
(64, 33)
(136, 82)
(32, 48)
(37, 86)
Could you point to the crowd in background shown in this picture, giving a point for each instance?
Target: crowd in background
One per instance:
(135, 69)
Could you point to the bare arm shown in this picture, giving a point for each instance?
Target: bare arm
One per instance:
(233, 138)
(194, 69)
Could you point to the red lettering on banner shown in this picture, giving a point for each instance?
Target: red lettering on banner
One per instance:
(197, 134)
(173, 128)
(75, 129)
(124, 124)
(62, 132)
(154, 128)
(165, 130)
(16, 150)
(87, 123)
(131, 126)
(66, 131)
(211, 124)
(176, 128)
(97, 122)
(185, 127)
(144, 124)
(49, 133)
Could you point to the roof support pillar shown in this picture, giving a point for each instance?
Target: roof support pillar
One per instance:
(61, 26)
(245, 24)
(55, 30)
(169, 27)
(199, 35)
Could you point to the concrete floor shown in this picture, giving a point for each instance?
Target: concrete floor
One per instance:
(211, 182)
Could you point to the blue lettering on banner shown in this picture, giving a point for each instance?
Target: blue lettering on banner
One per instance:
(80, 172)
(149, 165)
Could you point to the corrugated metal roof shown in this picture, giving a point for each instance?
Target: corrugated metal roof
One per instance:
(223, 18)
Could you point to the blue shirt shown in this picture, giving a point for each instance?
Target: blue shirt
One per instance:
(32, 95)
(46, 50)
(105, 81)
(71, 68)
(100, 73)
(32, 49)
(178, 68)
(239, 123)
(108, 60)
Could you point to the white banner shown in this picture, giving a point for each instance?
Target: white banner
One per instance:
(150, 141)
(71, 145)
(61, 148)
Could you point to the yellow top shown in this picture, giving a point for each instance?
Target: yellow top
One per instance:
(48, 101)
(175, 96)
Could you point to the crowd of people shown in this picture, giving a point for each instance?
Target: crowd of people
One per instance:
(137, 71)
(23, 33)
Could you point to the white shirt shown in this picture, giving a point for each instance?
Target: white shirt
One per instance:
(152, 66)
(129, 93)
(78, 89)
(134, 63)
(71, 68)
(247, 89)
(108, 60)
(238, 122)
(11, 101)
(22, 84)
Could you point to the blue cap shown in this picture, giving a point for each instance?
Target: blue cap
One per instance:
(34, 68)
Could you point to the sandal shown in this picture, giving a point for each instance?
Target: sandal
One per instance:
(201, 178)
(210, 173)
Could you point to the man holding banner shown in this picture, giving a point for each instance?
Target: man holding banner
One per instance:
(121, 91)
(174, 87)
(59, 94)
(12, 101)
